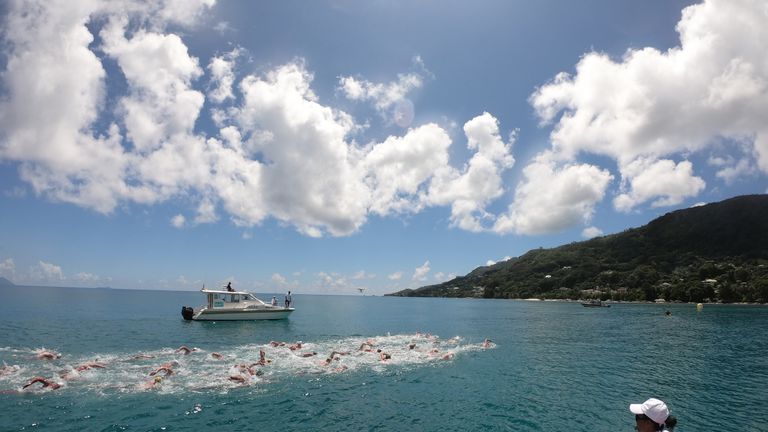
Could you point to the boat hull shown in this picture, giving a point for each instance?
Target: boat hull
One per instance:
(244, 315)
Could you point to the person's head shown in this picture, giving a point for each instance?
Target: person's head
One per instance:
(651, 415)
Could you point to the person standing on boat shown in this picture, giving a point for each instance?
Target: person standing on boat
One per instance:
(274, 301)
(288, 300)
(229, 286)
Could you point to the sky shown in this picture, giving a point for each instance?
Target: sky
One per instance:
(340, 146)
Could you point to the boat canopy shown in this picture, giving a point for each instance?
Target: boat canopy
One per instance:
(223, 291)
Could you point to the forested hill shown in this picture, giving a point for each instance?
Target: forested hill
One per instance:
(715, 252)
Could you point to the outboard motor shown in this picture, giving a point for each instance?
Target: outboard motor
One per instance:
(187, 312)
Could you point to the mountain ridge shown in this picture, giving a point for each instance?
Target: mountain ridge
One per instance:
(713, 252)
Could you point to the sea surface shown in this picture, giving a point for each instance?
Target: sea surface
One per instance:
(551, 366)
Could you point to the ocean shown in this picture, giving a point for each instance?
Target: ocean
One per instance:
(551, 366)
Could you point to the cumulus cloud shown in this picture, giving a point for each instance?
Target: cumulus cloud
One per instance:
(281, 153)
(8, 268)
(279, 279)
(46, 272)
(663, 181)
(551, 198)
(651, 105)
(362, 274)
(591, 232)
(86, 278)
(333, 283)
(389, 99)
(178, 221)
(400, 166)
(223, 76)
(469, 191)
(421, 272)
(395, 276)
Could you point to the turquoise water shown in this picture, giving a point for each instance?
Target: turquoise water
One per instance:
(552, 366)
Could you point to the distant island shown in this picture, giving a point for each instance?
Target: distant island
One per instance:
(712, 253)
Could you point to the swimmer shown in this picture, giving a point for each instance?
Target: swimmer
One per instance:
(335, 355)
(217, 356)
(365, 346)
(166, 368)
(238, 379)
(448, 356)
(383, 356)
(168, 371)
(262, 359)
(90, 365)
(255, 372)
(487, 343)
(307, 354)
(153, 382)
(142, 357)
(8, 370)
(411, 346)
(48, 355)
(185, 350)
(44, 382)
(295, 346)
(276, 344)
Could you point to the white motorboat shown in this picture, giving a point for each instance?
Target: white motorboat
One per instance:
(224, 305)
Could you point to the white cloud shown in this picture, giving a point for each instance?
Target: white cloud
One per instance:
(552, 198)
(279, 279)
(652, 105)
(591, 232)
(178, 221)
(738, 169)
(46, 272)
(389, 99)
(159, 71)
(492, 262)
(315, 182)
(86, 278)
(468, 192)
(333, 283)
(395, 276)
(400, 166)
(420, 273)
(223, 75)
(206, 212)
(663, 181)
(8, 268)
(281, 153)
(362, 274)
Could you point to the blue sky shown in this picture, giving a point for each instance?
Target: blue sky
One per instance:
(328, 146)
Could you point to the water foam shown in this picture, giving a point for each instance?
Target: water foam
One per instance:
(202, 371)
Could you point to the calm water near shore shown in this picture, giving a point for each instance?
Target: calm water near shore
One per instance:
(553, 366)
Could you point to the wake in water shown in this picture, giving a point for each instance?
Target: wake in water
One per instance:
(185, 369)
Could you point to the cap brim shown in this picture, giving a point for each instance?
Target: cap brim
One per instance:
(636, 408)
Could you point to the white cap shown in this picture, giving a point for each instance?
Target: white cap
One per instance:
(654, 409)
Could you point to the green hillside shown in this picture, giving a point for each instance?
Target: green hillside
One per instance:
(716, 252)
